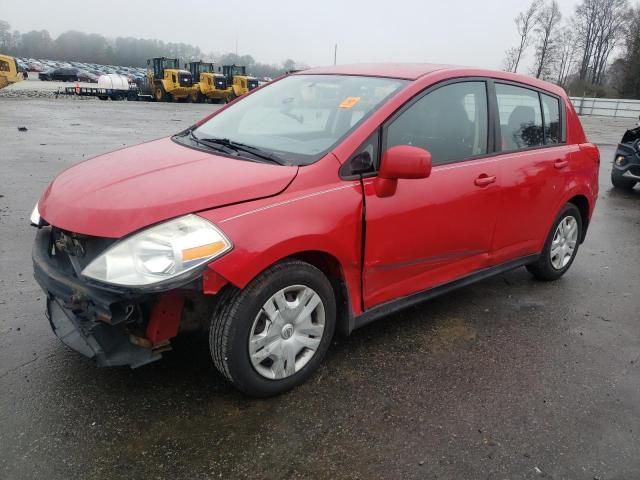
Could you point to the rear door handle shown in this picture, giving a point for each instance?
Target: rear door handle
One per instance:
(560, 163)
(484, 180)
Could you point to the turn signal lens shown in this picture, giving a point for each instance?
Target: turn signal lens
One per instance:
(196, 253)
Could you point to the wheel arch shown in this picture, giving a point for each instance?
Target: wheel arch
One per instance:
(331, 267)
(582, 203)
(345, 284)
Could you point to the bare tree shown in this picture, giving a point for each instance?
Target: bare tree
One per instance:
(510, 58)
(599, 27)
(6, 39)
(547, 23)
(525, 22)
(567, 51)
(611, 26)
(629, 63)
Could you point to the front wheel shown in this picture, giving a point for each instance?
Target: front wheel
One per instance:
(161, 95)
(272, 335)
(561, 246)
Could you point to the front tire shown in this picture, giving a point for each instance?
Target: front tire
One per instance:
(272, 335)
(161, 95)
(561, 247)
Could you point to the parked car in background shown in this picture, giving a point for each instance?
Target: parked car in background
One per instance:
(35, 66)
(68, 74)
(252, 223)
(85, 76)
(625, 171)
(21, 65)
(46, 75)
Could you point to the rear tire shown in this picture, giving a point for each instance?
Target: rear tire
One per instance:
(621, 182)
(272, 335)
(561, 247)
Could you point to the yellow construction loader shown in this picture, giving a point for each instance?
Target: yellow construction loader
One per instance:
(238, 80)
(167, 81)
(8, 71)
(209, 86)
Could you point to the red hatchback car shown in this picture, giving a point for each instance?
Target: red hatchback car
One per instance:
(320, 202)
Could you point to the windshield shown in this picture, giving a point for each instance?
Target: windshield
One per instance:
(204, 68)
(301, 117)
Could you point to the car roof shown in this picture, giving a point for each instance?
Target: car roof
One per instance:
(413, 71)
(408, 71)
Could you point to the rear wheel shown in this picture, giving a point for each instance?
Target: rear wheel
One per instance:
(273, 334)
(561, 247)
(621, 182)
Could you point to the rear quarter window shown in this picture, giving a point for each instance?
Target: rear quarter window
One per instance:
(551, 111)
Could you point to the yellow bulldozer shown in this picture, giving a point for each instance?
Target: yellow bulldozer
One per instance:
(238, 80)
(8, 71)
(167, 81)
(209, 86)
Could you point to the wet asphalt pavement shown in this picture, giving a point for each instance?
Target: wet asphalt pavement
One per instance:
(506, 379)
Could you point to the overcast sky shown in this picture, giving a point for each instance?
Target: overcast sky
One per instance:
(463, 32)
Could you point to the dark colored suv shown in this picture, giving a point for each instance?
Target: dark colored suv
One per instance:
(625, 172)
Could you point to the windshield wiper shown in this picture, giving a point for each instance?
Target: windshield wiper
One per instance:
(241, 147)
(198, 140)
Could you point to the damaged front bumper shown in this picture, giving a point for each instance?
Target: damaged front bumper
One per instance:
(627, 158)
(113, 327)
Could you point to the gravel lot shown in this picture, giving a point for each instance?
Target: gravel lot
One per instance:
(506, 379)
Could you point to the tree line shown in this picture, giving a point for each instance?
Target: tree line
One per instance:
(577, 52)
(123, 51)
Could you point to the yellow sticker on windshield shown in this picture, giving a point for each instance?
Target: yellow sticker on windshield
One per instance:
(349, 102)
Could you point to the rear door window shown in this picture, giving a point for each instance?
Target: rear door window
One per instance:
(520, 117)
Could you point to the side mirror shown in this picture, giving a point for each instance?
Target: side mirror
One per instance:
(401, 161)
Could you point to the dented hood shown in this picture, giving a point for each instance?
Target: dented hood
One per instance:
(120, 192)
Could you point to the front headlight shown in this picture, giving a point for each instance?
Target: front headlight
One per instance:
(160, 253)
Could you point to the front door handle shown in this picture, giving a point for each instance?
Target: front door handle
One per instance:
(560, 163)
(484, 180)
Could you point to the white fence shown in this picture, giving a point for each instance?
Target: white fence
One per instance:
(607, 107)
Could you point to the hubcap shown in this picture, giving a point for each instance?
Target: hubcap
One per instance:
(287, 332)
(564, 242)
